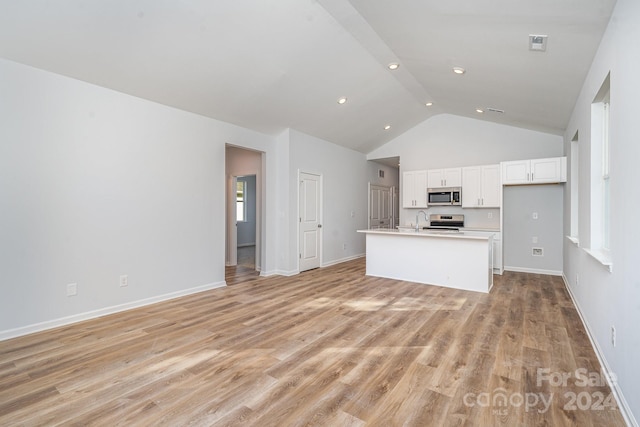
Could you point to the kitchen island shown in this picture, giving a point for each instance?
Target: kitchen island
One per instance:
(460, 260)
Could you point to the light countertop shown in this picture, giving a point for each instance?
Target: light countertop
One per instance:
(447, 234)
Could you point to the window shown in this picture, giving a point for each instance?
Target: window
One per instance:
(606, 223)
(241, 202)
(600, 190)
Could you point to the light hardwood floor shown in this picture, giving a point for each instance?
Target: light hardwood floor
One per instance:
(326, 347)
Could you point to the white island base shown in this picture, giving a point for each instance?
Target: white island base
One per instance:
(455, 260)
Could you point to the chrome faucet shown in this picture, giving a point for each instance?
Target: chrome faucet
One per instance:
(418, 219)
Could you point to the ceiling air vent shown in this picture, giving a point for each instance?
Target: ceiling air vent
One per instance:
(495, 110)
(537, 42)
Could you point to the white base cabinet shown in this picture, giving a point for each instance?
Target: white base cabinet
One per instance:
(535, 171)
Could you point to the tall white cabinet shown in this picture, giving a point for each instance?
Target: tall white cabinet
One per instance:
(481, 186)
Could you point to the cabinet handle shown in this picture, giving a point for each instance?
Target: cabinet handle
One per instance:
(531, 176)
(478, 202)
(482, 201)
(527, 176)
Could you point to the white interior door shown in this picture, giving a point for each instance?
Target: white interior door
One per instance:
(380, 207)
(310, 227)
(385, 207)
(374, 211)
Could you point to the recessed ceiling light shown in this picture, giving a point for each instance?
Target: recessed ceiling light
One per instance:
(342, 100)
(459, 70)
(429, 104)
(387, 127)
(479, 110)
(393, 66)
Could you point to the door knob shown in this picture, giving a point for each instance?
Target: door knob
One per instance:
(319, 225)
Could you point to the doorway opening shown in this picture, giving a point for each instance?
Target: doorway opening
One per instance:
(244, 212)
(384, 200)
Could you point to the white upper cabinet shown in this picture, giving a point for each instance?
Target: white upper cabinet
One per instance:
(516, 172)
(549, 170)
(414, 189)
(481, 186)
(536, 171)
(451, 177)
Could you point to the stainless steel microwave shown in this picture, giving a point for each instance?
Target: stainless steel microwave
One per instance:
(449, 196)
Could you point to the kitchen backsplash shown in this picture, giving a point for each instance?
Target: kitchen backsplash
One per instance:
(473, 218)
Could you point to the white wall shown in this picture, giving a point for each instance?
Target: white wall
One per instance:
(520, 202)
(391, 175)
(95, 184)
(344, 179)
(446, 140)
(611, 298)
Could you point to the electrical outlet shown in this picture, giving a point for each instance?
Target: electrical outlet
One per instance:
(353, 214)
(613, 335)
(577, 280)
(537, 252)
(534, 215)
(344, 246)
(489, 215)
(534, 239)
(124, 280)
(72, 289)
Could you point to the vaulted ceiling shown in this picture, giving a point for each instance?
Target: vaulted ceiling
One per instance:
(271, 65)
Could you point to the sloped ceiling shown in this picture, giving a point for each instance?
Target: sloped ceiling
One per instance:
(271, 65)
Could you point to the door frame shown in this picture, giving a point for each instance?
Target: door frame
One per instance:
(232, 226)
(320, 219)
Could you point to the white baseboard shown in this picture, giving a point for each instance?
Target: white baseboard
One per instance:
(625, 410)
(50, 324)
(533, 270)
(279, 273)
(341, 260)
(294, 272)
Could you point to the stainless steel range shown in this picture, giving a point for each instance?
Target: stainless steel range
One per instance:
(445, 222)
